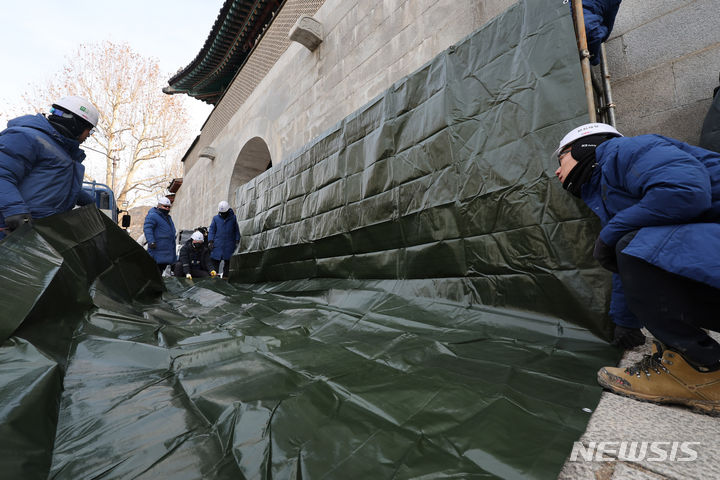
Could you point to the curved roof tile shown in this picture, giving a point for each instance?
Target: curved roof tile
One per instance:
(237, 28)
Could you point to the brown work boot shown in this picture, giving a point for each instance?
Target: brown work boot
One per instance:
(665, 377)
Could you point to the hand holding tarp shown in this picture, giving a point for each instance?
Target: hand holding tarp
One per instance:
(14, 221)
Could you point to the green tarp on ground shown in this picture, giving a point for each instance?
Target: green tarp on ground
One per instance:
(321, 378)
(51, 277)
(414, 299)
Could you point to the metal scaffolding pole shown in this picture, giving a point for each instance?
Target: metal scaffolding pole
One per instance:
(579, 20)
(607, 91)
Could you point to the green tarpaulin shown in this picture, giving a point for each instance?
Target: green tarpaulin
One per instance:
(446, 180)
(414, 298)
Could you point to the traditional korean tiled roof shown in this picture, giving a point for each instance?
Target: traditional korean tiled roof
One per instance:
(238, 27)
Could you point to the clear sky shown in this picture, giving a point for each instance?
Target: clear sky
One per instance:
(36, 36)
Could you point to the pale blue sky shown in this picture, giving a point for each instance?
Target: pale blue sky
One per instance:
(37, 35)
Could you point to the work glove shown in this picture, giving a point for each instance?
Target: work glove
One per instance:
(152, 245)
(187, 275)
(211, 244)
(14, 221)
(605, 255)
(627, 338)
(213, 273)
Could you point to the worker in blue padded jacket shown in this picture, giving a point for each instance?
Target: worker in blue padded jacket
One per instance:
(223, 236)
(41, 170)
(159, 231)
(658, 200)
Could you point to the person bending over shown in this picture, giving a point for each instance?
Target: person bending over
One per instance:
(658, 200)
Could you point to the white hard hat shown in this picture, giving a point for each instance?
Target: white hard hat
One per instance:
(223, 206)
(583, 131)
(164, 201)
(197, 237)
(80, 107)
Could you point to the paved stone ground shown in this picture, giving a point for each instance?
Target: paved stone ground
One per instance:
(618, 418)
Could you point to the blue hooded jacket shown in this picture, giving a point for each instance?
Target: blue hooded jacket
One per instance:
(225, 235)
(160, 229)
(41, 171)
(669, 192)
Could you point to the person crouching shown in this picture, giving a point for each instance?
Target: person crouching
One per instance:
(658, 201)
(194, 259)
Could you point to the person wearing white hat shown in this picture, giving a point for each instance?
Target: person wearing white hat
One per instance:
(627, 333)
(194, 259)
(223, 237)
(41, 170)
(658, 200)
(159, 231)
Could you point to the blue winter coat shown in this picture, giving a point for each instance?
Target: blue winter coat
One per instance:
(160, 229)
(599, 18)
(225, 235)
(41, 171)
(669, 192)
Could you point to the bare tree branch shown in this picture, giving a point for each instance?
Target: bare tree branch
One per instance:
(139, 126)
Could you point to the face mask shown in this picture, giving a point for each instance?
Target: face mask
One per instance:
(583, 151)
(197, 245)
(578, 177)
(224, 214)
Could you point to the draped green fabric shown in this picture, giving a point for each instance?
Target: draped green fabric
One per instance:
(414, 297)
(445, 180)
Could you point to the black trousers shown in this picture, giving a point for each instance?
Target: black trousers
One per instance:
(226, 267)
(673, 308)
(178, 271)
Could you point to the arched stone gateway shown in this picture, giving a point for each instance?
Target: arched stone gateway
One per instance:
(253, 159)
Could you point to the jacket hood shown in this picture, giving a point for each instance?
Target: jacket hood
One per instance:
(39, 122)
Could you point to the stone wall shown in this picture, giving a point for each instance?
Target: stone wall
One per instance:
(368, 45)
(266, 53)
(664, 57)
